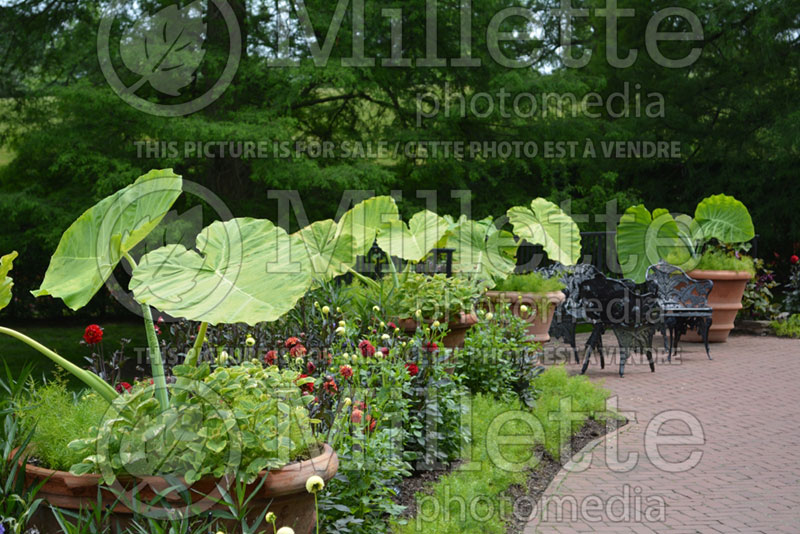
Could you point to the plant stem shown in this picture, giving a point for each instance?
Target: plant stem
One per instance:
(96, 383)
(156, 363)
(194, 354)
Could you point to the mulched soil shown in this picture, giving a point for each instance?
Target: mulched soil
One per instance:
(538, 479)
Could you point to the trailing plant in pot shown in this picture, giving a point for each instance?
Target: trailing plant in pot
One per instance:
(709, 246)
(241, 270)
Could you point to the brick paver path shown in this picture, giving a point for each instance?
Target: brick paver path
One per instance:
(747, 401)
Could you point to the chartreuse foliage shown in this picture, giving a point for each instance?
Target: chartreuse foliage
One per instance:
(412, 241)
(6, 283)
(644, 239)
(92, 246)
(481, 249)
(545, 224)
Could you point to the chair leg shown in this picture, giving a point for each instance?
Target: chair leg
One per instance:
(650, 361)
(587, 356)
(667, 345)
(706, 328)
(671, 341)
(676, 338)
(623, 357)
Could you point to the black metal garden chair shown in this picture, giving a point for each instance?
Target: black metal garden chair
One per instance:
(684, 304)
(570, 312)
(631, 310)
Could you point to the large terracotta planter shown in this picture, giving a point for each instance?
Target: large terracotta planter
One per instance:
(457, 328)
(283, 493)
(538, 323)
(725, 300)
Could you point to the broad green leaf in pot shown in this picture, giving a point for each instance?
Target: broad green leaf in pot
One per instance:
(6, 283)
(644, 239)
(364, 219)
(329, 254)
(248, 270)
(412, 242)
(724, 218)
(93, 245)
(480, 250)
(545, 224)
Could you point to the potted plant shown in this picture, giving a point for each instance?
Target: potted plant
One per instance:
(532, 297)
(242, 270)
(438, 301)
(709, 246)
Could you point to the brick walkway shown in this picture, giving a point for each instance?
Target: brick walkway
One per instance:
(748, 478)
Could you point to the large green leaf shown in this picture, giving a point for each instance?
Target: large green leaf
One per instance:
(6, 283)
(247, 270)
(545, 224)
(724, 218)
(329, 253)
(412, 242)
(644, 239)
(331, 248)
(93, 245)
(480, 250)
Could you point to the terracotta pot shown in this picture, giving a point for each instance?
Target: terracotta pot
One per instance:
(539, 324)
(283, 492)
(457, 328)
(725, 300)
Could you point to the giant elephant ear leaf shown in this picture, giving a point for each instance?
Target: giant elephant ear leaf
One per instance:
(724, 218)
(644, 239)
(6, 283)
(93, 245)
(329, 253)
(545, 224)
(479, 249)
(363, 221)
(412, 242)
(247, 270)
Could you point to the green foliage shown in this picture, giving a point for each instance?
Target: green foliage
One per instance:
(532, 282)
(92, 246)
(238, 420)
(791, 303)
(720, 260)
(18, 503)
(6, 283)
(55, 416)
(787, 328)
(412, 242)
(642, 239)
(437, 296)
(725, 219)
(545, 224)
(757, 302)
(480, 249)
(499, 357)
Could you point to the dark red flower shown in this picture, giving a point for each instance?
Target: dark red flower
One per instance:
(271, 357)
(157, 329)
(431, 347)
(392, 326)
(371, 423)
(291, 342)
(93, 334)
(412, 368)
(311, 367)
(330, 386)
(307, 388)
(122, 386)
(346, 371)
(366, 348)
(360, 405)
(298, 350)
(794, 259)
(385, 351)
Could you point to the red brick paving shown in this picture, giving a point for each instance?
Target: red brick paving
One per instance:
(748, 477)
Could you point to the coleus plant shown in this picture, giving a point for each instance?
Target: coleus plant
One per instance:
(645, 238)
(242, 270)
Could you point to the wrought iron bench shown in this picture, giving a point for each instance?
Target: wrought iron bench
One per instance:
(631, 310)
(684, 304)
(570, 312)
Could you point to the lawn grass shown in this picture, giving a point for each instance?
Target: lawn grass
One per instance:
(473, 499)
(65, 340)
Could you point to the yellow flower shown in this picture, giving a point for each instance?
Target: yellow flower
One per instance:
(285, 530)
(418, 313)
(250, 341)
(348, 401)
(436, 324)
(314, 484)
(340, 330)
(376, 308)
(385, 337)
(326, 310)
(489, 316)
(223, 357)
(342, 323)
(523, 309)
(270, 517)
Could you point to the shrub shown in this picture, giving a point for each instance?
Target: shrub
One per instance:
(720, 260)
(437, 296)
(532, 282)
(57, 416)
(757, 300)
(788, 328)
(499, 357)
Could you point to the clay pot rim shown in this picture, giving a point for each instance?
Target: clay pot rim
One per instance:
(720, 275)
(556, 297)
(324, 464)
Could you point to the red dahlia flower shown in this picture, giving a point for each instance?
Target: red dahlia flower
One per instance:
(93, 334)
(271, 357)
(366, 348)
(356, 416)
(291, 342)
(298, 350)
(122, 386)
(307, 388)
(346, 371)
(431, 347)
(311, 367)
(794, 259)
(412, 368)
